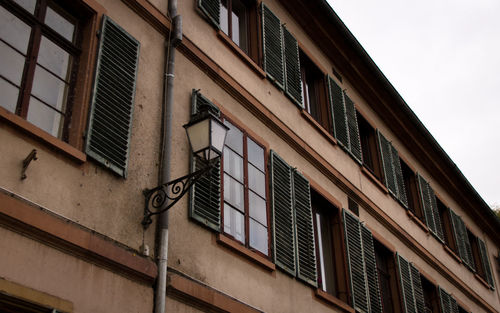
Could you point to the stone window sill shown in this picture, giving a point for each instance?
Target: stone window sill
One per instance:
(374, 179)
(316, 125)
(245, 252)
(336, 302)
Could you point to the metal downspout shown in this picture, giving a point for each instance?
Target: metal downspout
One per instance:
(175, 37)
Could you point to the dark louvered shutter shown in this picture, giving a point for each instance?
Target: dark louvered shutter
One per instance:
(400, 183)
(435, 211)
(282, 212)
(426, 203)
(406, 285)
(211, 8)
(205, 195)
(293, 86)
(485, 262)
(353, 129)
(355, 261)
(306, 255)
(273, 46)
(387, 164)
(454, 305)
(338, 110)
(460, 236)
(110, 118)
(371, 271)
(418, 292)
(445, 301)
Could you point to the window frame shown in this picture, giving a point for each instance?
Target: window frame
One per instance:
(248, 134)
(369, 141)
(390, 256)
(448, 234)
(434, 300)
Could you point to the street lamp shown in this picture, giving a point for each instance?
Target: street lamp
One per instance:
(207, 135)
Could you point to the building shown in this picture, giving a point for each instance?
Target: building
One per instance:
(331, 196)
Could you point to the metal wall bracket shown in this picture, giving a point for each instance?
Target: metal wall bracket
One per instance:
(31, 157)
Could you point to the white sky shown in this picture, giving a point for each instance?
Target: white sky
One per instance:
(443, 57)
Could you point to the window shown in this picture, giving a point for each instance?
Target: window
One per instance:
(481, 259)
(10, 304)
(445, 218)
(42, 91)
(410, 181)
(368, 137)
(475, 254)
(245, 214)
(430, 296)
(314, 92)
(386, 271)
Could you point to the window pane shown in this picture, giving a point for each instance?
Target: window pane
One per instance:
(54, 58)
(234, 223)
(44, 117)
(9, 94)
(255, 154)
(233, 164)
(235, 26)
(14, 31)
(239, 24)
(325, 245)
(223, 17)
(11, 64)
(233, 192)
(257, 208)
(258, 236)
(29, 5)
(234, 138)
(256, 180)
(49, 89)
(59, 24)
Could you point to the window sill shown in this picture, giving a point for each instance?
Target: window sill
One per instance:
(418, 221)
(245, 252)
(336, 302)
(43, 136)
(321, 129)
(482, 280)
(452, 253)
(374, 179)
(241, 54)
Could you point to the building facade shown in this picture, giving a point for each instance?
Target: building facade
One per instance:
(330, 196)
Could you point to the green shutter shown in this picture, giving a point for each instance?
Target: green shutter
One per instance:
(353, 129)
(461, 237)
(486, 263)
(293, 87)
(445, 301)
(355, 261)
(454, 305)
(405, 276)
(282, 213)
(205, 195)
(387, 164)
(272, 45)
(112, 107)
(396, 165)
(435, 211)
(426, 203)
(305, 246)
(338, 110)
(371, 271)
(211, 8)
(418, 292)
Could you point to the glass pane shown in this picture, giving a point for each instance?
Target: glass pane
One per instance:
(11, 64)
(44, 117)
(29, 5)
(233, 192)
(255, 154)
(59, 24)
(239, 24)
(49, 89)
(234, 223)
(233, 165)
(235, 26)
(14, 31)
(9, 94)
(257, 208)
(234, 138)
(54, 58)
(325, 245)
(256, 180)
(223, 18)
(258, 237)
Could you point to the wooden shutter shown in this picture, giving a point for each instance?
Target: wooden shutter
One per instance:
(405, 276)
(435, 211)
(418, 292)
(211, 8)
(339, 118)
(356, 263)
(205, 195)
(273, 46)
(282, 213)
(426, 203)
(305, 246)
(371, 271)
(293, 86)
(353, 129)
(447, 303)
(485, 262)
(398, 177)
(112, 107)
(461, 238)
(387, 164)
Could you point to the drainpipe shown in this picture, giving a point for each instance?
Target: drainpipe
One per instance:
(175, 38)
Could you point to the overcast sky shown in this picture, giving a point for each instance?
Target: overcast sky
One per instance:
(444, 59)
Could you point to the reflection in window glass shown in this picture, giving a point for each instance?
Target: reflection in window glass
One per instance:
(11, 64)
(9, 94)
(258, 236)
(233, 164)
(234, 223)
(233, 192)
(257, 207)
(49, 89)
(234, 138)
(223, 17)
(256, 180)
(54, 58)
(255, 154)
(29, 5)
(59, 24)
(15, 32)
(44, 117)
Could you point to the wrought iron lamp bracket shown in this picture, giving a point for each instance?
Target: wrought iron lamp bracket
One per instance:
(163, 197)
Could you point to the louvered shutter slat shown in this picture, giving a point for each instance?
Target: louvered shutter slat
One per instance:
(426, 203)
(110, 117)
(282, 212)
(371, 271)
(353, 129)
(435, 211)
(406, 285)
(272, 46)
(396, 164)
(418, 292)
(339, 118)
(211, 8)
(445, 301)
(460, 237)
(486, 263)
(293, 86)
(387, 164)
(205, 195)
